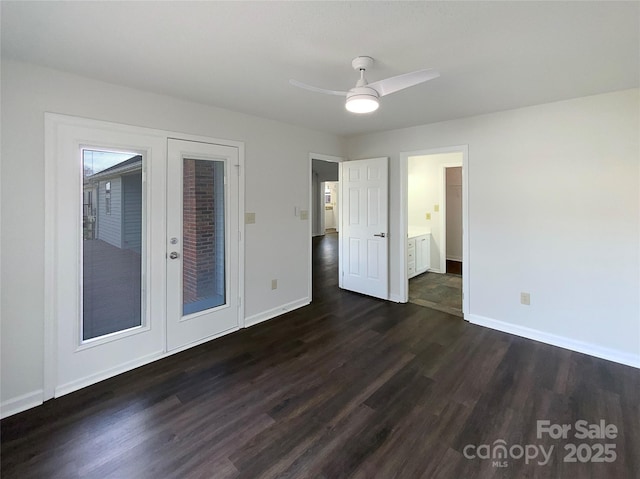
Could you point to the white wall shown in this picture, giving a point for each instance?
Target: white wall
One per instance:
(274, 150)
(553, 210)
(425, 184)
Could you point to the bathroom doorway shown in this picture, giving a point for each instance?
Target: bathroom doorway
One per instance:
(435, 242)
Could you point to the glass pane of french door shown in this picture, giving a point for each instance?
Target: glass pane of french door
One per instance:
(203, 230)
(112, 245)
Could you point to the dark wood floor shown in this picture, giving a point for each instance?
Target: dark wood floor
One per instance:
(347, 387)
(454, 267)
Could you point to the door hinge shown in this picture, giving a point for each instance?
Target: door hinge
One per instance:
(237, 169)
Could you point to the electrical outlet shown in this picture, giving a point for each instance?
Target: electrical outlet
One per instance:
(249, 218)
(428, 216)
(274, 284)
(525, 298)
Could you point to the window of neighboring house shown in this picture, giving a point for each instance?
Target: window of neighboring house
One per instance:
(107, 197)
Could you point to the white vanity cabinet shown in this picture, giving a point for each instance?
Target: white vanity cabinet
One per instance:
(411, 257)
(418, 254)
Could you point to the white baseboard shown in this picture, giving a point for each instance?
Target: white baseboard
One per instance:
(106, 374)
(199, 342)
(395, 298)
(272, 313)
(455, 258)
(30, 400)
(21, 403)
(560, 341)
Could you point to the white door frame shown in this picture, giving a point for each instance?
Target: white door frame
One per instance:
(332, 159)
(53, 122)
(404, 213)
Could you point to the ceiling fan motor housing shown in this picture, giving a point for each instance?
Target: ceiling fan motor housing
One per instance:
(362, 91)
(362, 63)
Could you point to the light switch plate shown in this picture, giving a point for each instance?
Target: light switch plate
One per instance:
(428, 216)
(249, 218)
(304, 214)
(436, 208)
(525, 298)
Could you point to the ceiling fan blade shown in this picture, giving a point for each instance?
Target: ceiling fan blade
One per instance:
(316, 89)
(400, 82)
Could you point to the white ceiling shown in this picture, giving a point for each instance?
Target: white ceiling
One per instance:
(240, 55)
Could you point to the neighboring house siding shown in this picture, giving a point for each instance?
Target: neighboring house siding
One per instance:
(132, 221)
(110, 225)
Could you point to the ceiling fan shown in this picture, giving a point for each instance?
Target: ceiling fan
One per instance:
(363, 98)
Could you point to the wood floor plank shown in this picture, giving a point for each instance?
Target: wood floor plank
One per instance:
(347, 387)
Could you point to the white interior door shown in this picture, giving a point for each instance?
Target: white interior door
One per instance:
(364, 234)
(202, 241)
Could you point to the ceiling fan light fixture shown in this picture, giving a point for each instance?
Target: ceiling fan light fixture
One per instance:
(362, 100)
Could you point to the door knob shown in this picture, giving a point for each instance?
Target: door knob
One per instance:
(381, 235)
(173, 255)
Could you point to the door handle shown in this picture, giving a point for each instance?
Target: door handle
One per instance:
(381, 235)
(173, 255)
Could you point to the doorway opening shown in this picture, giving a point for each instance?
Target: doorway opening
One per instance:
(436, 266)
(331, 201)
(325, 182)
(325, 215)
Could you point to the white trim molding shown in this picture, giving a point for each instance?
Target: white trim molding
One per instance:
(396, 298)
(559, 341)
(106, 374)
(21, 403)
(277, 311)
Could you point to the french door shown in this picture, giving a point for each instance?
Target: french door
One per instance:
(143, 256)
(202, 241)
